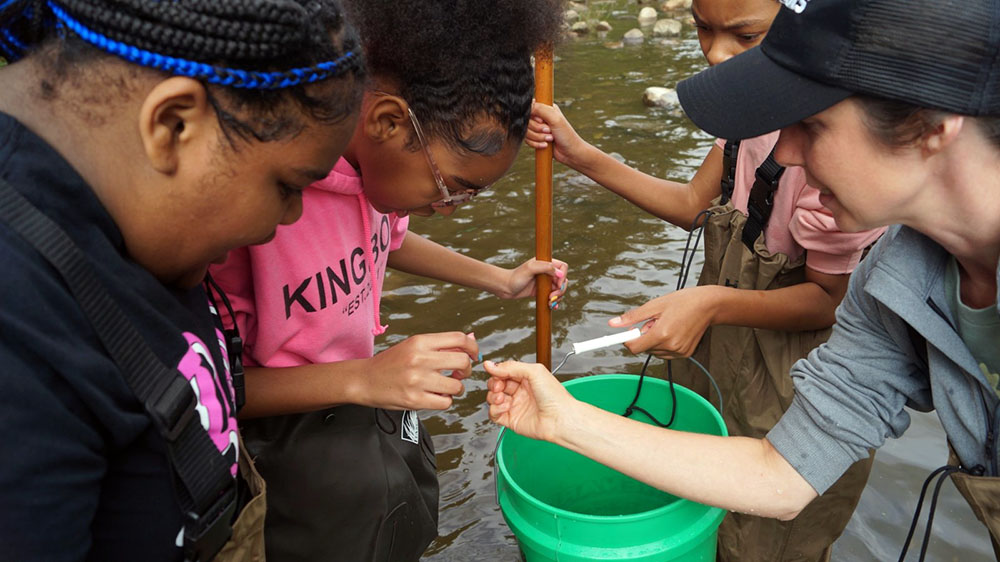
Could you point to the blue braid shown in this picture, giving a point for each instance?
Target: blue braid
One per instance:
(230, 77)
(12, 41)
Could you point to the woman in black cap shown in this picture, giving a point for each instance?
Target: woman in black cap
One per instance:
(893, 108)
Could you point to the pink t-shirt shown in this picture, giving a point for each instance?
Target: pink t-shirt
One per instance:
(309, 296)
(798, 223)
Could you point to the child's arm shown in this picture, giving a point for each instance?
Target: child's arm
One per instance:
(676, 322)
(678, 203)
(407, 376)
(420, 256)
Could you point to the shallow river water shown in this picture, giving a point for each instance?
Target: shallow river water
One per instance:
(619, 257)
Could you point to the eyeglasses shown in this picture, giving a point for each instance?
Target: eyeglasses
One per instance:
(448, 198)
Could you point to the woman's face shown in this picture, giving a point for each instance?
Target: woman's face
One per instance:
(238, 197)
(863, 182)
(726, 28)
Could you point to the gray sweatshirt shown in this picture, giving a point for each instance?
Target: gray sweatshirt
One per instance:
(850, 392)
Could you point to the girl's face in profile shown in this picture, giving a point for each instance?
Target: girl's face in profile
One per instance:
(403, 181)
(863, 182)
(241, 195)
(726, 28)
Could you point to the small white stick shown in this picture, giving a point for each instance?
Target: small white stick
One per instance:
(606, 341)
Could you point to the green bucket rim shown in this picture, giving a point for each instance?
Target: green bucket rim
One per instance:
(501, 466)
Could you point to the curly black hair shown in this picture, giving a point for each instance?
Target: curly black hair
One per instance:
(253, 56)
(457, 62)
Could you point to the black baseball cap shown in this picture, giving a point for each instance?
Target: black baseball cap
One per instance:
(939, 54)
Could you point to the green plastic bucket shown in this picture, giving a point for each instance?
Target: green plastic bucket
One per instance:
(563, 506)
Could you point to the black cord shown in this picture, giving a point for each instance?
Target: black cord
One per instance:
(687, 260)
(234, 343)
(940, 473)
(633, 407)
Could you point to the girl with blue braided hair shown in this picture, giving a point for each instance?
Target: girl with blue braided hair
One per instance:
(140, 141)
(350, 469)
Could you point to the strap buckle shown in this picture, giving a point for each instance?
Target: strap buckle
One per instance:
(174, 408)
(207, 533)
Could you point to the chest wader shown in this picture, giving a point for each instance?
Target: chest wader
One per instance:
(247, 542)
(751, 367)
(209, 497)
(345, 483)
(983, 495)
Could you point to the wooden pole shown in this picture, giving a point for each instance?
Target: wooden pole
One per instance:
(543, 214)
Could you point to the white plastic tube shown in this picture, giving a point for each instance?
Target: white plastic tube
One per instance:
(606, 341)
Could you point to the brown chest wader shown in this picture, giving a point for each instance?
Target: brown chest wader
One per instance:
(751, 367)
(982, 493)
(343, 484)
(207, 494)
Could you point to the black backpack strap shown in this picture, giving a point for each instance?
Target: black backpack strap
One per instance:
(761, 200)
(207, 490)
(729, 155)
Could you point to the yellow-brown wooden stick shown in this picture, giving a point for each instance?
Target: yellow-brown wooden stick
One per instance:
(543, 215)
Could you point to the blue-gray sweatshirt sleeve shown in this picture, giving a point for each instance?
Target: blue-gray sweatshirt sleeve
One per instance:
(850, 392)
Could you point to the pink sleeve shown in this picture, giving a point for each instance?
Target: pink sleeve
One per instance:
(236, 279)
(399, 227)
(828, 249)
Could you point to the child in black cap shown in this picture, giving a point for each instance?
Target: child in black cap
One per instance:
(893, 109)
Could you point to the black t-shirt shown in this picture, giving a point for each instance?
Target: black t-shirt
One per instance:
(83, 473)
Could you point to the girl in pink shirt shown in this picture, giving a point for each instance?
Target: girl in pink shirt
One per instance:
(350, 470)
(776, 267)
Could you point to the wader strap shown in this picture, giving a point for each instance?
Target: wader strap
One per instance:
(207, 490)
(729, 154)
(761, 200)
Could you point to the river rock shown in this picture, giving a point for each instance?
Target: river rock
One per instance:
(647, 16)
(676, 5)
(660, 97)
(633, 37)
(571, 16)
(602, 26)
(667, 28)
(580, 28)
(577, 6)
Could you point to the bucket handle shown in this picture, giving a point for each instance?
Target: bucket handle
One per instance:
(496, 466)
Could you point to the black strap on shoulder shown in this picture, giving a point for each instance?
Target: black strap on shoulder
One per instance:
(207, 490)
(761, 200)
(729, 155)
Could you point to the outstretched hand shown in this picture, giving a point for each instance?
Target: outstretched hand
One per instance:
(521, 280)
(672, 324)
(527, 399)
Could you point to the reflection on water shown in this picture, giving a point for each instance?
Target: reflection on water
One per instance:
(619, 258)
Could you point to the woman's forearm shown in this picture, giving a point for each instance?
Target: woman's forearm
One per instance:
(735, 473)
